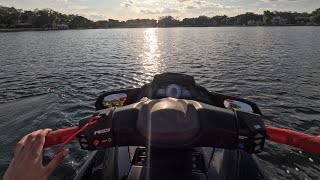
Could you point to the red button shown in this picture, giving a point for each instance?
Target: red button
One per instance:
(96, 142)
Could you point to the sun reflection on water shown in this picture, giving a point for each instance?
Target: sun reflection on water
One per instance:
(152, 64)
(150, 56)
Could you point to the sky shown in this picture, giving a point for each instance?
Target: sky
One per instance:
(132, 9)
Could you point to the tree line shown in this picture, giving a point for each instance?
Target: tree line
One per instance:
(11, 17)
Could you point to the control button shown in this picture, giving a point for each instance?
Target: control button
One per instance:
(257, 148)
(257, 126)
(96, 142)
(194, 159)
(84, 145)
(109, 139)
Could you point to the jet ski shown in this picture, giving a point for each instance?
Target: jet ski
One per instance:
(172, 128)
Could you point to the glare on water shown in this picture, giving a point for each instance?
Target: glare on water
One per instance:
(151, 54)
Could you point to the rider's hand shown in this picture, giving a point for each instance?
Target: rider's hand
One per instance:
(27, 159)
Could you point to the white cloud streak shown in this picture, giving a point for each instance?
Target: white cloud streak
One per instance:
(129, 9)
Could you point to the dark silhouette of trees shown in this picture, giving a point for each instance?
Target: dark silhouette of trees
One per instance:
(79, 22)
(48, 18)
(168, 21)
(315, 16)
(135, 23)
(220, 20)
(287, 18)
(101, 24)
(267, 16)
(132, 23)
(9, 16)
(244, 19)
(45, 18)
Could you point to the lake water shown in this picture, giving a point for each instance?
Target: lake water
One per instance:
(51, 79)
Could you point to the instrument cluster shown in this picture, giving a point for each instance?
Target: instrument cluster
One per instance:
(173, 90)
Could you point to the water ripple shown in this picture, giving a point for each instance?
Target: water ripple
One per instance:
(276, 67)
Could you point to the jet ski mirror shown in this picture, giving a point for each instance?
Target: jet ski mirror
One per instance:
(114, 100)
(233, 104)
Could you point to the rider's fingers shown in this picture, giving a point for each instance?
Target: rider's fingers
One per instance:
(54, 163)
(23, 144)
(30, 139)
(20, 146)
(39, 141)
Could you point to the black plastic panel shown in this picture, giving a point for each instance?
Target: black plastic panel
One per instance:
(169, 164)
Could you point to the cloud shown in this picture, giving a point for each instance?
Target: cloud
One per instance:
(209, 12)
(80, 7)
(198, 4)
(97, 16)
(148, 11)
(127, 3)
(189, 7)
(160, 11)
(128, 9)
(271, 1)
(177, 8)
(60, 1)
(169, 10)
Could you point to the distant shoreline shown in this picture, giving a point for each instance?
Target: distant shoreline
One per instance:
(4, 30)
(27, 29)
(15, 20)
(50, 29)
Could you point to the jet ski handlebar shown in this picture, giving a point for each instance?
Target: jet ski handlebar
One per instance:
(170, 123)
(60, 136)
(293, 138)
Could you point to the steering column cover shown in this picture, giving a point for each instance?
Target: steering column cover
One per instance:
(168, 122)
(175, 123)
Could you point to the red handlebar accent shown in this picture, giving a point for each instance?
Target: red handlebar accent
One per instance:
(59, 136)
(284, 136)
(296, 139)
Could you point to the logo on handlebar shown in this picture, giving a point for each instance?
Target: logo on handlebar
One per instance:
(102, 131)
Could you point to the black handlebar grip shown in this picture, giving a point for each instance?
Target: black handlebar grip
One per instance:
(252, 132)
(218, 128)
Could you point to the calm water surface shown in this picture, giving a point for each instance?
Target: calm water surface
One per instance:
(51, 79)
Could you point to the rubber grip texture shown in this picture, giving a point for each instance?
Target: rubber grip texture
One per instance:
(59, 136)
(293, 138)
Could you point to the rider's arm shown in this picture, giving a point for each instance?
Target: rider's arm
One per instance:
(27, 160)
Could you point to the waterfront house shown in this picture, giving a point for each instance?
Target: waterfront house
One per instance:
(279, 21)
(214, 23)
(302, 20)
(254, 23)
(23, 25)
(62, 26)
(283, 21)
